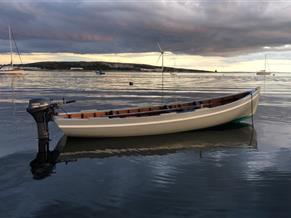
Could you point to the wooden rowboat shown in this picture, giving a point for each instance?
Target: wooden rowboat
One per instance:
(170, 118)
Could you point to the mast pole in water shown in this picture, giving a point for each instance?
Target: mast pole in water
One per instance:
(10, 42)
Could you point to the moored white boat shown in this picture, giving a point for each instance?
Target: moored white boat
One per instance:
(11, 69)
(171, 118)
(263, 73)
(99, 72)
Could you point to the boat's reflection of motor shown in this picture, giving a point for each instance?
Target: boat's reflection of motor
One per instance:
(233, 135)
(42, 166)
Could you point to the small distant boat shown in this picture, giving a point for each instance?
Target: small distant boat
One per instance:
(10, 68)
(156, 120)
(99, 72)
(76, 68)
(264, 72)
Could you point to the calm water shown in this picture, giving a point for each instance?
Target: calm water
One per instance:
(228, 171)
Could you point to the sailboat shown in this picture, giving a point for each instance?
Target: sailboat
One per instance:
(264, 72)
(11, 68)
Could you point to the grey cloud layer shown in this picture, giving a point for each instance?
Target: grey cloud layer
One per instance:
(205, 27)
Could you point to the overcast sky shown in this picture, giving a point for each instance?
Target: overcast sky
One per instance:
(204, 27)
(219, 28)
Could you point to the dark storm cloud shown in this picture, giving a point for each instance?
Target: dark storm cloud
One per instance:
(204, 27)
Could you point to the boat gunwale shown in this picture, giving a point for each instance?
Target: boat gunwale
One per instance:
(151, 111)
(238, 104)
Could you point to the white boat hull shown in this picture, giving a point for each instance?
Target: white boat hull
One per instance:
(160, 124)
(12, 71)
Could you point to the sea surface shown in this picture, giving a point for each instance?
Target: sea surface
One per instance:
(234, 170)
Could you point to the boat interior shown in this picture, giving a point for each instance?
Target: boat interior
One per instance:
(157, 110)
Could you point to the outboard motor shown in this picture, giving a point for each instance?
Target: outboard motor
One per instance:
(42, 111)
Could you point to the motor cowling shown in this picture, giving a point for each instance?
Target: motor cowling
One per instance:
(38, 104)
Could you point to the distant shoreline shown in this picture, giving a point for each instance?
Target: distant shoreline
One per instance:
(103, 66)
(84, 66)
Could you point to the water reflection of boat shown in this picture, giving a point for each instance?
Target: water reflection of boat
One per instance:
(231, 135)
(235, 135)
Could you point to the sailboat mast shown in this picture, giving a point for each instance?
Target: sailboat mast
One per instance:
(162, 54)
(265, 62)
(10, 42)
(163, 73)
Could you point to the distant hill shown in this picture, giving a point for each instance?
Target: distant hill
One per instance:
(105, 66)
